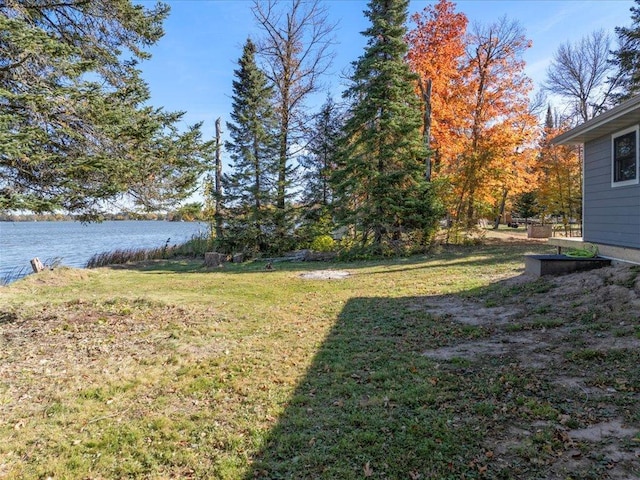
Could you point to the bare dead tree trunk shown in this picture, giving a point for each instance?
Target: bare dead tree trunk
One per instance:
(218, 179)
(425, 90)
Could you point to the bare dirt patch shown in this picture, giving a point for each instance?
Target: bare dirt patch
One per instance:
(578, 337)
(602, 431)
(459, 309)
(325, 275)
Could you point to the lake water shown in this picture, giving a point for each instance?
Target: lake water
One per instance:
(74, 243)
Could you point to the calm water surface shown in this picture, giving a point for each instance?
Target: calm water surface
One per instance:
(74, 243)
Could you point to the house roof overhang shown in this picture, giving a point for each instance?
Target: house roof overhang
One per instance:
(611, 121)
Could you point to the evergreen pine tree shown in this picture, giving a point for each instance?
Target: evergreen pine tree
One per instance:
(76, 129)
(627, 57)
(249, 187)
(321, 151)
(318, 164)
(380, 182)
(548, 119)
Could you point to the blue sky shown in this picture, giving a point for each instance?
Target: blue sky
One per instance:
(191, 68)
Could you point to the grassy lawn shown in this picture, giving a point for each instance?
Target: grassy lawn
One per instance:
(420, 368)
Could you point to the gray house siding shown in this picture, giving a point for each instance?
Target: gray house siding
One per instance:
(611, 215)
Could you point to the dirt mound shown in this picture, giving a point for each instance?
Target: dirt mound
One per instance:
(578, 335)
(56, 276)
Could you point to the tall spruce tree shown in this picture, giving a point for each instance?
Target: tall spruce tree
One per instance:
(318, 164)
(380, 183)
(250, 186)
(76, 130)
(321, 151)
(627, 57)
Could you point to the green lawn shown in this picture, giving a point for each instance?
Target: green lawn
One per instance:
(172, 371)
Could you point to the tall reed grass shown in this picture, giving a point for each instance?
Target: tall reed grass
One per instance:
(20, 272)
(13, 275)
(195, 247)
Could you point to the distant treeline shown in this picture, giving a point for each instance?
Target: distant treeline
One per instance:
(58, 217)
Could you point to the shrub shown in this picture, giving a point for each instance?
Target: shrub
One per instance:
(323, 243)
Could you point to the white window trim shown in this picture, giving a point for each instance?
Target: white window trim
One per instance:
(636, 180)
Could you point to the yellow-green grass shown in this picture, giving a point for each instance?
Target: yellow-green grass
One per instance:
(170, 370)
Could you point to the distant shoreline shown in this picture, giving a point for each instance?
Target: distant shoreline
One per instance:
(165, 217)
(73, 243)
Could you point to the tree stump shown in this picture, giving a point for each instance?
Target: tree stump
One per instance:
(37, 265)
(213, 259)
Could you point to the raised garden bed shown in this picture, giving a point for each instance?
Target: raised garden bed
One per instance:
(540, 265)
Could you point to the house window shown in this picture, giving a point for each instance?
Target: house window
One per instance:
(625, 158)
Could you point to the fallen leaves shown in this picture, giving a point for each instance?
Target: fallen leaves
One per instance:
(364, 400)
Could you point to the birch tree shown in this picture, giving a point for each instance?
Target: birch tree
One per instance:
(296, 50)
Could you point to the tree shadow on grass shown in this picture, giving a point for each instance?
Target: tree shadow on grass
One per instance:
(372, 405)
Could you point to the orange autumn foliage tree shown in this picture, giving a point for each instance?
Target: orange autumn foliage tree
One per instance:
(560, 189)
(497, 158)
(482, 131)
(437, 55)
